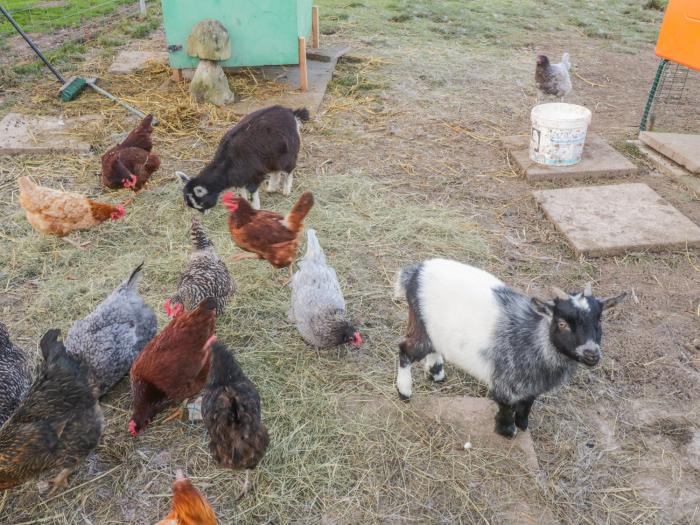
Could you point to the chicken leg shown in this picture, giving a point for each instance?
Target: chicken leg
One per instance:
(60, 481)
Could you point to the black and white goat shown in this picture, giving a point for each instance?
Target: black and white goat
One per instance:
(520, 347)
(264, 142)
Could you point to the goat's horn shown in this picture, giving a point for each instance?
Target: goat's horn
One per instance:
(559, 293)
(588, 290)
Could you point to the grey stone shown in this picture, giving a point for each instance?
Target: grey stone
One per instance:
(129, 61)
(681, 148)
(31, 134)
(599, 160)
(210, 84)
(616, 219)
(209, 40)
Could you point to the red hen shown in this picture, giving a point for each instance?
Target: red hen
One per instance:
(174, 365)
(267, 234)
(131, 163)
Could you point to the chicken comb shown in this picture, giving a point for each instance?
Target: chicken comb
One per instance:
(229, 200)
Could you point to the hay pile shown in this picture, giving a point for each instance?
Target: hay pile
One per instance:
(323, 460)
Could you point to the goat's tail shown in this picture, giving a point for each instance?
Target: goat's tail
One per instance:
(200, 241)
(302, 114)
(403, 277)
(314, 252)
(565, 61)
(296, 216)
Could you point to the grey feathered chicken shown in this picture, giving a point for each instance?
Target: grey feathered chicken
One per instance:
(553, 79)
(238, 438)
(318, 307)
(57, 424)
(112, 335)
(15, 375)
(205, 276)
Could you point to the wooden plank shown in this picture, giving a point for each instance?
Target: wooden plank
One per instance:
(315, 32)
(303, 72)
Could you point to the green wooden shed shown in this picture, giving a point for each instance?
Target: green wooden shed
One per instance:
(262, 32)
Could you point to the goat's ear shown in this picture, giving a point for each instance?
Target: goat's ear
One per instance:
(182, 176)
(544, 308)
(613, 301)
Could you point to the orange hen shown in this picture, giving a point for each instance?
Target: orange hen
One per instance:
(60, 213)
(189, 506)
(174, 365)
(131, 163)
(267, 234)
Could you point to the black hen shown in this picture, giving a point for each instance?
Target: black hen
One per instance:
(57, 424)
(231, 412)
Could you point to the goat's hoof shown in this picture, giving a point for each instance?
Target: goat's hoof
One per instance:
(403, 397)
(508, 431)
(521, 424)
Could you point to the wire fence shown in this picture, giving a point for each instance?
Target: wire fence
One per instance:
(46, 16)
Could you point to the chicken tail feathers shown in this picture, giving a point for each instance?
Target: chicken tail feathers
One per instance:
(49, 343)
(302, 114)
(26, 184)
(135, 276)
(565, 61)
(314, 252)
(299, 211)
(200, 241)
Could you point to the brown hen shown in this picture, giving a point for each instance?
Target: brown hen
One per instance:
(174, 365)
(267, 234)
(60, 213)
(131, 163)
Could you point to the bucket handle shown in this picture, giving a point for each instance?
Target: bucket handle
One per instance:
(539, 137)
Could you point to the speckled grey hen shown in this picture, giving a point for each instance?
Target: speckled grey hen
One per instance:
(112, 335)
(57, 424)
(15, 376)
(318, 306)
(205, 276)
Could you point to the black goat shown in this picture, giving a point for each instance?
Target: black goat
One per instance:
(265, 142)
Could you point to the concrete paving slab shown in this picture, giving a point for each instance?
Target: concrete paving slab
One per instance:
(669, 168)
(128, 61)
(616, 219)
(31, 134)
(599, 160)
(681, 148)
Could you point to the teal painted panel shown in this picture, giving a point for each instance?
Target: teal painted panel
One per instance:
(262, 32)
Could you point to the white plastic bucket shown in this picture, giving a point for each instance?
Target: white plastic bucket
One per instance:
(558, 133)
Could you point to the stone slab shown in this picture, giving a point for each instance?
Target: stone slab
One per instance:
(667, 167)
(681, 148)
(616, 219)
(30, 134)
(128, 61)
(599, 160)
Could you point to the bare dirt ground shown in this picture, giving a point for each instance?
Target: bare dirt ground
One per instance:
(406, 162)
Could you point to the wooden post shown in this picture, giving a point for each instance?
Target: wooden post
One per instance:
(303, 75)
(142, 7)
(177, 75)
(314, 27)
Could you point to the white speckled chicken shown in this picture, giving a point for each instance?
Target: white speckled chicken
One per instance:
(111, 336)
(205, 276)
(553, 79)
(318, 306)
(15, 375)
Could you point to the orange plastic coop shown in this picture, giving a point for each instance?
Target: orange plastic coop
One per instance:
(679, 38)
